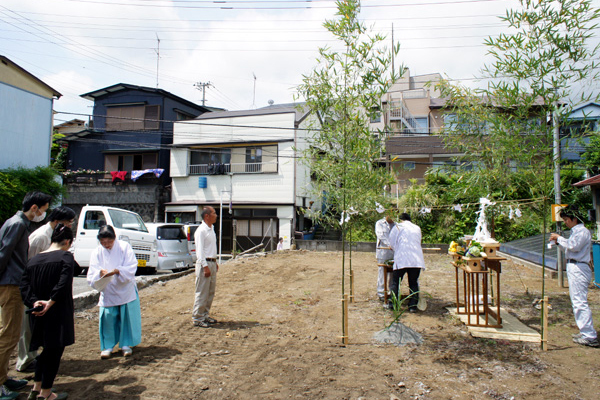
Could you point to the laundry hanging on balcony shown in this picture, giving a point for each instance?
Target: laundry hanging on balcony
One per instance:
(118, 175)
(137, 173)
(216, 169)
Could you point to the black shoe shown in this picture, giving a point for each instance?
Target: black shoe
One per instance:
(15, 384)
(412, 310)
(211, 320)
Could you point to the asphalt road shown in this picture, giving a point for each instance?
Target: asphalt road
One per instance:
(80, 284)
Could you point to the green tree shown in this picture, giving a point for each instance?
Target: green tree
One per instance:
(16, 182)
(344, 91)
(58, 154)
(506, 128)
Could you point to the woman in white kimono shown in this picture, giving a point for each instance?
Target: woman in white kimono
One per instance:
(112, 272)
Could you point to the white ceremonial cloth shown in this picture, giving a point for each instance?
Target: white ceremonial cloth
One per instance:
(405, 240)
(382, 231)
(122, 288)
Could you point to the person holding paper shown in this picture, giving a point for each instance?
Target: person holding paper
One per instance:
(577, 251)
(47, 283)
(112, 272)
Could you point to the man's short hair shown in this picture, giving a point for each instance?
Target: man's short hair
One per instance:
(571, 212)
(38, 198)
(405, 217)
(206, 212)
(61, 213)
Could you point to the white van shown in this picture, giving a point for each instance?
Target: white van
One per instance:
(129, 227)
(190, 230)
(173, 252)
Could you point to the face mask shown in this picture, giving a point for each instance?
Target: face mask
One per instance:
(39, 218)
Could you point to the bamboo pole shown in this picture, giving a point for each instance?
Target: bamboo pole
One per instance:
(545, 319)
(345, 336)
(351, 286)
(350, 264)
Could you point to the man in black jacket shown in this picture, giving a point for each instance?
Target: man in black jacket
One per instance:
(14, 245)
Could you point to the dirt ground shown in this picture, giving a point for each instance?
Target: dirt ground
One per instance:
(279, 337)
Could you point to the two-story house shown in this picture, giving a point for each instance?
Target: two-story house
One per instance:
(25, 117)
(130, 133)
(410, 119)
(246, 165)
(582, 120)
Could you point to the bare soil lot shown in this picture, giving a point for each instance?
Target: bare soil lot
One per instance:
(278, 337)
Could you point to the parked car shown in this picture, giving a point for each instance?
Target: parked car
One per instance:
(173, 252)
(190, 229)
(129, 227)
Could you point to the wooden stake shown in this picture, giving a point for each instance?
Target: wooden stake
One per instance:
(351, 286)
(545, 321)
(345, 306)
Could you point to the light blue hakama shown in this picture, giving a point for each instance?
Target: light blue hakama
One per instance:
(121, 324)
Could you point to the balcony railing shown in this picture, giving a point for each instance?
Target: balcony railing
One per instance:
(235, 168)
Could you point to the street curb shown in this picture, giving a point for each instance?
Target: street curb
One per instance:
(90, 299)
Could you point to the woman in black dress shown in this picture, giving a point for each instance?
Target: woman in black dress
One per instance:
(48, 284)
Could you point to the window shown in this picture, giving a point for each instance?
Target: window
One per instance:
(94, 220)
(375, 115)
(242, 213)
(132, 118)
(183, 116)
(210, 156)
(170, 233)
(409, 165)
(130, 162)
(127, 220)
(253, 159)
(422, 124)
(256, 227)
(265, 212)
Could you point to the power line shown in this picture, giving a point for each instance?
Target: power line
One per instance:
(319, 21)
(310, 4)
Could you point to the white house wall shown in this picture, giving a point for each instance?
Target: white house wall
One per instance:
(25, 128)
(246, 188)
(235, 129)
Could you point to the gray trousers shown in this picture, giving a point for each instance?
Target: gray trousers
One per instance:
(205, 291)
(25, 357)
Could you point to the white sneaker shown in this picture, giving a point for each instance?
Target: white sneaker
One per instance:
(104, 354)
(126, 351)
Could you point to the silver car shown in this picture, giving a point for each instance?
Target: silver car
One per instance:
(173, 252)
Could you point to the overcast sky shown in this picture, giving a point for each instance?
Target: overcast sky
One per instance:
(77, 46)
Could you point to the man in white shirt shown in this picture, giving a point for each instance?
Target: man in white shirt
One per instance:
(383, 252)
(579, 273)
(39, 241)
(206, 268)
(405, 240)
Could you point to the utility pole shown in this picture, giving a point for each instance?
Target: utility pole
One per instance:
(202, 86)
(157, 57)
